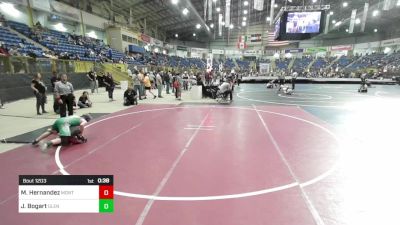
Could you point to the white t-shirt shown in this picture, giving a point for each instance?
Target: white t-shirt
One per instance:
(225, 87)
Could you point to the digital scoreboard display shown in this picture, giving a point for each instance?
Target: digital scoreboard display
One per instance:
(66, 194)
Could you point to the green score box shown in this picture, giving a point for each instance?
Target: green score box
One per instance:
(106, 205)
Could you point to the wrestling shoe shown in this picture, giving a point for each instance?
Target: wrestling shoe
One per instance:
(35, 142)
(43, 146)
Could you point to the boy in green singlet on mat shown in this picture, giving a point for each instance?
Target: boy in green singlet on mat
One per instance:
(69, 130)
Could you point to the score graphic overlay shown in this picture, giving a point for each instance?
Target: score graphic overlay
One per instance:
(66, 194)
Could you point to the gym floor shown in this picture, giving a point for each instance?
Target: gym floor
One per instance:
(324, 155)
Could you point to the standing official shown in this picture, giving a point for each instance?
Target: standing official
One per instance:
(64, 92)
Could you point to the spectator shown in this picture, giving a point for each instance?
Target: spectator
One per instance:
(84, 101)
(64, 92)
(136, 83)
(3, 51)
(110, 85)
(93, 81)
(147, 85)
(167, 80)
(130, 97)
(39, 89)
(141, 79)
(178, 82)
(53, 80)
(159, 84)
(1, 104)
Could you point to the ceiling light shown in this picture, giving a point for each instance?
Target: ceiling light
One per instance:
(338, 23)
(244, 18)
(218, 9)
(231, 26)
(333, 21)
(375, 12)
(398, 3)
(245, 12)
(185, 11)
(92, 34)
(331, 13)
(345, 4)
(9, 9)
(214, 0)
(223, 23)
(212, 25)
(358, 21)
(60, 27)
(245, 3)
(243, 23)
(174, 2)
(276, 6)
(375, 30)
(194, 34)
(268, 18)
(347, 30)
(176, 35)
(198, 26)
(314, 1)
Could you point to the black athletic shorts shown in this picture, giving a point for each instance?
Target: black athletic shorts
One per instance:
(75, 132)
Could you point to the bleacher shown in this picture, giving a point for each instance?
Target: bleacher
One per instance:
(300, 64)
(11, 40)
(282, 64)
(243, 64)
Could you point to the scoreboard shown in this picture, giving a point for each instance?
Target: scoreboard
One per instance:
(66, 194)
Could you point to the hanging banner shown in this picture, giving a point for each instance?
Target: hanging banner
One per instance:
(352, 20)
(209, 9)
(259, 5)
(364, 19)
(255, 38)
(228, 13)
(205, 10)
(220, 24)
(327, 22)
(210, 63)
(271, 15)
(388, 4)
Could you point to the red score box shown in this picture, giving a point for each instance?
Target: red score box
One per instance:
(106, 192)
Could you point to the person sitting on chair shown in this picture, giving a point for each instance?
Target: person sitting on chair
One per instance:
(226, 88)
(69, 130)
(130, 97)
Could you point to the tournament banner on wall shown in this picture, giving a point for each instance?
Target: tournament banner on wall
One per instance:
(294, 50)
(341, 47)
(316, 50)
(145, 38)
(157, 42)
(217, 51)
(264, 68)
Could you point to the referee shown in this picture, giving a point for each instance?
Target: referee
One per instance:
(64, 92)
